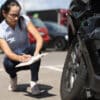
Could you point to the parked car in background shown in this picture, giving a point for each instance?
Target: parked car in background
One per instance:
(63, 18)
(42, 30)
(58, 35)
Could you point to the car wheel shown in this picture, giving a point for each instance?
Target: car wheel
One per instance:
(59, 43)
(73, 77)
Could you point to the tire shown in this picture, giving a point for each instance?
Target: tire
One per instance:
(73, 76)
(59, 44)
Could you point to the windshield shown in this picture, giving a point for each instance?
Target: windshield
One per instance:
(56, 27)
(37, 22)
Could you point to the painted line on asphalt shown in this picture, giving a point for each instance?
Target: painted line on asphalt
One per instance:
(52, 68)
(1, 69)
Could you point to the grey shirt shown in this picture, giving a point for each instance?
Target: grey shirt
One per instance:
(17, 39)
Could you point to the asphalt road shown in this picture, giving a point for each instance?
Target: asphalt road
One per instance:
(49, 80)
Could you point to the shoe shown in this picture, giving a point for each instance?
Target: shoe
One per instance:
(13, 84)
(34, 88)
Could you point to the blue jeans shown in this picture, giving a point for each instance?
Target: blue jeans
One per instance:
(10, 68)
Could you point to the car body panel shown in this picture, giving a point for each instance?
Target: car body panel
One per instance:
(58, 35)
(42, 30)
(56, 30)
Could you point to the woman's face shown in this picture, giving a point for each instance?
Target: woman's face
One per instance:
(12, 16)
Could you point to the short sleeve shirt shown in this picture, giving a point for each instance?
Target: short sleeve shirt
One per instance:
(17, 39)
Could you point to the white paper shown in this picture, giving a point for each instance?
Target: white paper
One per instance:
(32, 60)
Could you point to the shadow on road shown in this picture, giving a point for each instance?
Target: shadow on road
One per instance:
(22, 87)
(44, 90)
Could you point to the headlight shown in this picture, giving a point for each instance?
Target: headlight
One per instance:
(66, 37)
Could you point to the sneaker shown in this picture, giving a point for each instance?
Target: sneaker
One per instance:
(13, 84)
(34, 88)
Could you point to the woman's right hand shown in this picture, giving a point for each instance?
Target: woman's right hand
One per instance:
(24, 58)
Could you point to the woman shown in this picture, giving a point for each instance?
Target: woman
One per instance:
(15, 44)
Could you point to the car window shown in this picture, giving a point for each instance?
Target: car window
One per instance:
(37, 22)
(56, 27)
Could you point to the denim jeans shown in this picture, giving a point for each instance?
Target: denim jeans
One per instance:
(10, 68)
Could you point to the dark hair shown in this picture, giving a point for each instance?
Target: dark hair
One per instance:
(6, 7)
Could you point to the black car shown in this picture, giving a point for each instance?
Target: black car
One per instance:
(58, 34)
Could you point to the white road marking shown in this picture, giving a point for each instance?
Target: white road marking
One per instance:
(52, 68)
(1, 69)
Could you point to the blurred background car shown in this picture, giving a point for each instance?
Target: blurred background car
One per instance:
(58, 35)
(42, 30)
